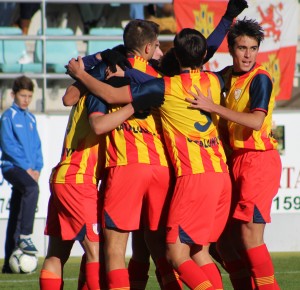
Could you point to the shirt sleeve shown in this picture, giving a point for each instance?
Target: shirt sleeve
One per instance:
(149, 89)
(90, 61)
(260, 93)
(138, 76)
(98, 71)
(215, 39)
(11, 149)
(95, 105)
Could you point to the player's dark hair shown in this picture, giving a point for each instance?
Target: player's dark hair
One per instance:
(138, 33)
(168, 64)
(245, 27)
(22, 83)
(190, 48)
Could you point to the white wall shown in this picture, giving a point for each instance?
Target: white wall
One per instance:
(281, 235)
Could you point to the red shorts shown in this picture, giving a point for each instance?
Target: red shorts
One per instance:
(73, 212)
(137, 195)
(256, 179)
(199, 208)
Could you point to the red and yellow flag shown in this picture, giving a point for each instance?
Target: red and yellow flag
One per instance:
(277, 52)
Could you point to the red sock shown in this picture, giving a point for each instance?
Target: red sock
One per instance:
(92, 271)
(81, 285)
(192, 275)
(118, 279)
(169, 277)
(50, 281)
(239, 275)
(261, 266)
(138, 274)
(213, 274)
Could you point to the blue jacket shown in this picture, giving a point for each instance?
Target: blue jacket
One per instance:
(19, 140)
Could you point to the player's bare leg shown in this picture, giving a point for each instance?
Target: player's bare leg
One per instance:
(92, 267)
(189, 272)
(201, 255)
(114, 255)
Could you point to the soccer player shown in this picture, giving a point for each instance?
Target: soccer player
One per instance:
(201, 200)
(74, 205)
(255, 163)
(136, 147)
(21, 164)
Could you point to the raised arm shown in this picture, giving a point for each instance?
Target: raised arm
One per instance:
(106, 92)
(215, 39)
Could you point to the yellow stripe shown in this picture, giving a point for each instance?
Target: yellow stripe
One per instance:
(204, 285)
(267, 280)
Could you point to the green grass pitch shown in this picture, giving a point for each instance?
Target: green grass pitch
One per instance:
(287, 272)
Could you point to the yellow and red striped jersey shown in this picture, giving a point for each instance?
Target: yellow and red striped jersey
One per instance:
(191, 135)
(80, 159)
(249, 92)
(138, 139)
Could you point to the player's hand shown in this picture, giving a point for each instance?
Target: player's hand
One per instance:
(75, 67)
(118, 73)
(200, 101)
(234, 8)
(113, 58)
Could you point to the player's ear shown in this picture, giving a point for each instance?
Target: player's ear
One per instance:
(148, 48)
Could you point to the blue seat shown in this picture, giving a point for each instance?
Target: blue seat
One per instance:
(58, 52)
(12, 51)
(94, 46)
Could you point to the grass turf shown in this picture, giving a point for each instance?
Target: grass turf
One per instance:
(287, 272)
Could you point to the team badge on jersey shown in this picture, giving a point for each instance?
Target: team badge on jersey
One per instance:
(237, 94)
(96, 229)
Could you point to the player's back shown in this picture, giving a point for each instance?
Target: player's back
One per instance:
(191, 136)
(138, 139)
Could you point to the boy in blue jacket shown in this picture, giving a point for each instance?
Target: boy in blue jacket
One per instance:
(21, 164)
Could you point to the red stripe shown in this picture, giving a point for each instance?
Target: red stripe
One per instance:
(111, 149)
(131, 149)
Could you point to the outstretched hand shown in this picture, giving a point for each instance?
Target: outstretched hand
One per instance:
(200, 101)
(234, 8)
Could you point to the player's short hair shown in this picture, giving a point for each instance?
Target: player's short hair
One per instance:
(22, 83)
(169, 65)
(190, 48)
(245, 27)
(138, 33)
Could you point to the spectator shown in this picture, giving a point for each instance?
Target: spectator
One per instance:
(27, 10)
(22, 162)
